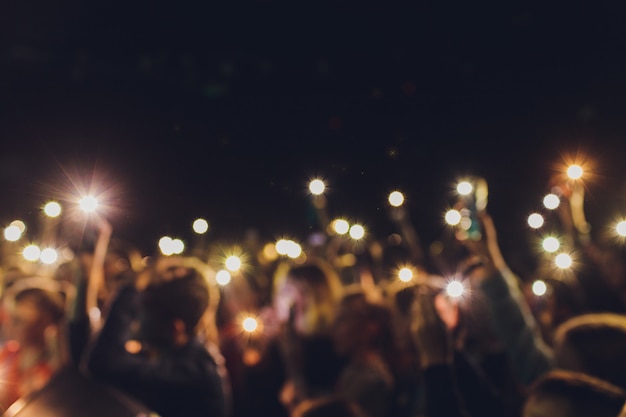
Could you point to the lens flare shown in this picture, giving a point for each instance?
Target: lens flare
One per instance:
(551, 201)
(52, 209)
(31, 253)
(250, 324)
(405, 274)
(317, 187)
(539, 288)
(49, 256)
(396, 198)
(575, 172)
(222, 277)
(455, 289)
(88, 204)
(357, 231)
(340, 226)
(563, 261)
(233, 263)
(535, 220)
(12, 233)
(464, 188)
(551, 244)
(620, 228)
(200, 226)
(453, 217)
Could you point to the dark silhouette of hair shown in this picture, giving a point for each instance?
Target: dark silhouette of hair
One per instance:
(328, 407)
(51, 304)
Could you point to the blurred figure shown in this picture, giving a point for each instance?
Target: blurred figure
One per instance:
(363, 333)
(173, 373)
(33, 353)
(570, 394)
(328, 407)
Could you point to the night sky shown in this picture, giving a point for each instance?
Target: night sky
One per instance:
(225, 111)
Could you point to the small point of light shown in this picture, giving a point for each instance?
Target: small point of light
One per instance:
(453, 217)
(575, 172)
(317, 187)
(88, 204)
(357, 231)
(455, 289)
(222, 277)
(551, 201)
(539, 288)
(166, 245)
(52, 209)
(250, 324)
(12, 233)
(550, 244)
(178, 246)
(31, 253)
(341, 227)
(233, 263)
(200, 226)
(620, 228)
(405, 274)
(535, 220)
(396, 198)
(48, 256)
(464, 188)
(563, 260)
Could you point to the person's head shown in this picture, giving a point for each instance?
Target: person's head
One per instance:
(328, 407)
(594, 344)
(310, 293)
(34, 311)
(571, 394)
(362, 325)
(172, 306)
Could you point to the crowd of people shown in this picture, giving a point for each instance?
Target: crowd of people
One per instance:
(332, 331)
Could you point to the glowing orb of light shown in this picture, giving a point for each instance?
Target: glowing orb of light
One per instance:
(294, 250)
(550, 244)
(539, 288)
(574, 171)
(222, 277)
(49, 256)
(535, 220)
(12, 233)
(31, 253)
(233, 263)
(551, 201)
(455, 289)
(317, 187)
(357, 231)
(200, 226)
(341, 227)
(166, 245)
(396, 198)
(620, 228)
(250, 324)
(405, 274)
(88, 204)
(563, 260)
(52, 209)
(464, 188)
(453, 217)
(178, 246)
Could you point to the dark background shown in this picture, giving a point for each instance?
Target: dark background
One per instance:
(226, 109)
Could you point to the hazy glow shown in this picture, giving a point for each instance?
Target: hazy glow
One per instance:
(396, 198)
(178, 246)
(233, 263)
(464, 188)
(539, 288)
(317, 187)
(574, 171)
(550, 244)
(31, 253)
(535, 220)
(453, 217)
(222, 277)
(52, 209)
(200, 226)
(357, 232)
(19, 224)
(88, 204)
(166, 244)
(341, 227)
(49, 256)
(405, 274)
(12, 233)
(620, 228)
(551, 201)
(563, 260)
(250, 324)
(455, 289)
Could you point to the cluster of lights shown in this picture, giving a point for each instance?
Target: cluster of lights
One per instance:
(286, 247)
(342, 227)
(14, 231)
(169, 246)
(33, 253)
